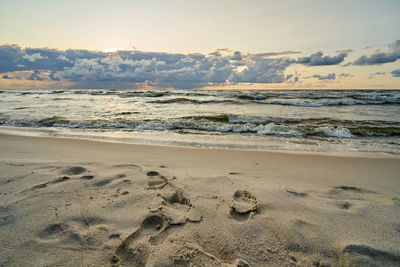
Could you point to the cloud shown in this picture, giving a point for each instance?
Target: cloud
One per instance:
(262, 70)
(15, 58)
(372, 75)
(318, 59)
(34, 57)
(35, 76)
(396, 73)
(379, 57)
(345, 75)
(62, 57)
(53, 77)
(237, 56)
(122, 68)
(292, 78)
(330, 76)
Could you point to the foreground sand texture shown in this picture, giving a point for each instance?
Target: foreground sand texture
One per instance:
(78, 203)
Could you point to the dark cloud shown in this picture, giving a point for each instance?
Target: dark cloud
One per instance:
(52, 76)
(15, 58)
(396, 73)
(237, 56)
(292, 78)
(124, 68)
(330, 76)
(379, 57)
(372, 75)
(318, 59)
(35, 76)
(380, 73)
(345, 75)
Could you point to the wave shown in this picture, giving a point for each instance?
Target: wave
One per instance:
(184, 100)
(330, 103)
(229, 123)
(257, 100)
(297, 98)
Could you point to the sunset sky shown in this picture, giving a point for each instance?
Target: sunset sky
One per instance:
(200, 44)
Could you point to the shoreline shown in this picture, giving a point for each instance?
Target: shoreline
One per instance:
(47, 133)
(114, 204)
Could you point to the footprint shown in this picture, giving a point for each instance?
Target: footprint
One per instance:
(53, 230)
(87, 177)
(64, 234)
(39, 186)
(353, 189)
(297, 194)
(152, 173)
(155, 180)
(74, 170)
(103, 182)
(175, 197)
(56, 181)
(60, 180)
(243, 206)
(135, 249)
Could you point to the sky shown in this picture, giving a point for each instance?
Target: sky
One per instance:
(184, 44)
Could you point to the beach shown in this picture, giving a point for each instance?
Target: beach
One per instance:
(163, 134)
(74, 202)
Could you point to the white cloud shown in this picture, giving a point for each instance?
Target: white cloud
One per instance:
(33, 57)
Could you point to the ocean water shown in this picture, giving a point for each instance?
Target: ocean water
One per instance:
(306, 120)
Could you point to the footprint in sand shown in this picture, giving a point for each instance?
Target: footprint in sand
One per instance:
(177, 207)
(87, 177)
(135, 249)
(297, 194)
(155, 180)
(60, 180)
(53, 230)
(175, 197)
(353, 189)
(75, 170)
(103, 182)
(155, 228)
(243, 206)
(55, 181)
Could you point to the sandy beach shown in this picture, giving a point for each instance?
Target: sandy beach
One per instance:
(67, 202)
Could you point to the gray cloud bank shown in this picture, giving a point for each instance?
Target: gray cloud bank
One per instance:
(330, 76)
(318, 59)
(379, 57)
(90, 68)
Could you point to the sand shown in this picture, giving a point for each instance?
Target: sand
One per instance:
(79, 202)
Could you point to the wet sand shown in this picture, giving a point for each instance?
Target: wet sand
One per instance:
(78, 202)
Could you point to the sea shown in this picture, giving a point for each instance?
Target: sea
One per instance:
(351, 121)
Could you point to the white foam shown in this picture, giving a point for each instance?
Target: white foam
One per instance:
(335, 132)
